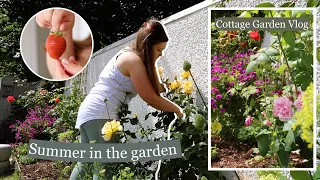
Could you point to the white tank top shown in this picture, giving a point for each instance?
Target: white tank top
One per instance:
(112, 86)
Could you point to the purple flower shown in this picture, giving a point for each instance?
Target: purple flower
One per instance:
(222, 110)
(258, 83)
(213, 101)
(218, 96)
(258, 90)
(215, 78)
(215, 58)
(215, 90)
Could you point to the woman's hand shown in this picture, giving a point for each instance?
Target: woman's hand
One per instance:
(56, 19)
(180, 114)
(66, 68)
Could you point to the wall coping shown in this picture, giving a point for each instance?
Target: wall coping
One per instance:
(166, 20)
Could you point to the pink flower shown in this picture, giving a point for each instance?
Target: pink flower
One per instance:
(43, 91)
(298, 102)
(267, 123)
(218, 96)
(248, 121)
(282, 108)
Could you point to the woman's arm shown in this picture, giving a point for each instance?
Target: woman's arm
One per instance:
(134, 66)
(159, 84)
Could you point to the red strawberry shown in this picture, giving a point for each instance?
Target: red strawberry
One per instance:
(55, 45)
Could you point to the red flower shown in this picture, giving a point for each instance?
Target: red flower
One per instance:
(57, 100)
(244, 44)
(10, 99)
(255, 35)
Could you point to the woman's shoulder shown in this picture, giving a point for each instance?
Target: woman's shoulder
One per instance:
(128, 55)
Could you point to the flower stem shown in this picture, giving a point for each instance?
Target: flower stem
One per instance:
(285, 58)
(198, 90)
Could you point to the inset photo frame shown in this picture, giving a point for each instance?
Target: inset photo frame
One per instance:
(56, 44)
(262, 88)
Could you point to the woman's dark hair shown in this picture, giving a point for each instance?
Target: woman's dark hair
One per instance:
(150, 33)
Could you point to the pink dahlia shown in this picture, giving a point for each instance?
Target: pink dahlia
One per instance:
(282, 108)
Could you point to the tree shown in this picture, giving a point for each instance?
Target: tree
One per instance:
(10, 58)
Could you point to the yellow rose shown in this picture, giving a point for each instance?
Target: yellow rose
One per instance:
(185, 74)
(135, 115)
(109, 128)
(160, 70)
(175, 85)
(187, 87)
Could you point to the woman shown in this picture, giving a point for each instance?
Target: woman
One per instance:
(131, 71)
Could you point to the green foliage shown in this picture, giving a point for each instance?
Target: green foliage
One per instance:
(300, 175)
(39, 97)
(271, 175)
(310, 3)
(20, 151)
(67, 136)
(11, 62)
(66, 111)
(24, 159)
(214, 152)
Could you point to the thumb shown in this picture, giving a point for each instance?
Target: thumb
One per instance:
(71, 67)
(60, 73)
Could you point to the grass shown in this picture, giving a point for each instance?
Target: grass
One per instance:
(11, 175)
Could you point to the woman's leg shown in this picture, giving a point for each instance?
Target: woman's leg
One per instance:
(90, 132)
(93, 130)
(80, 170)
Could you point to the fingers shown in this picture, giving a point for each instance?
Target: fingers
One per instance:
(44, 19)
(60, 73)
(71, 66)
(56, 19)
